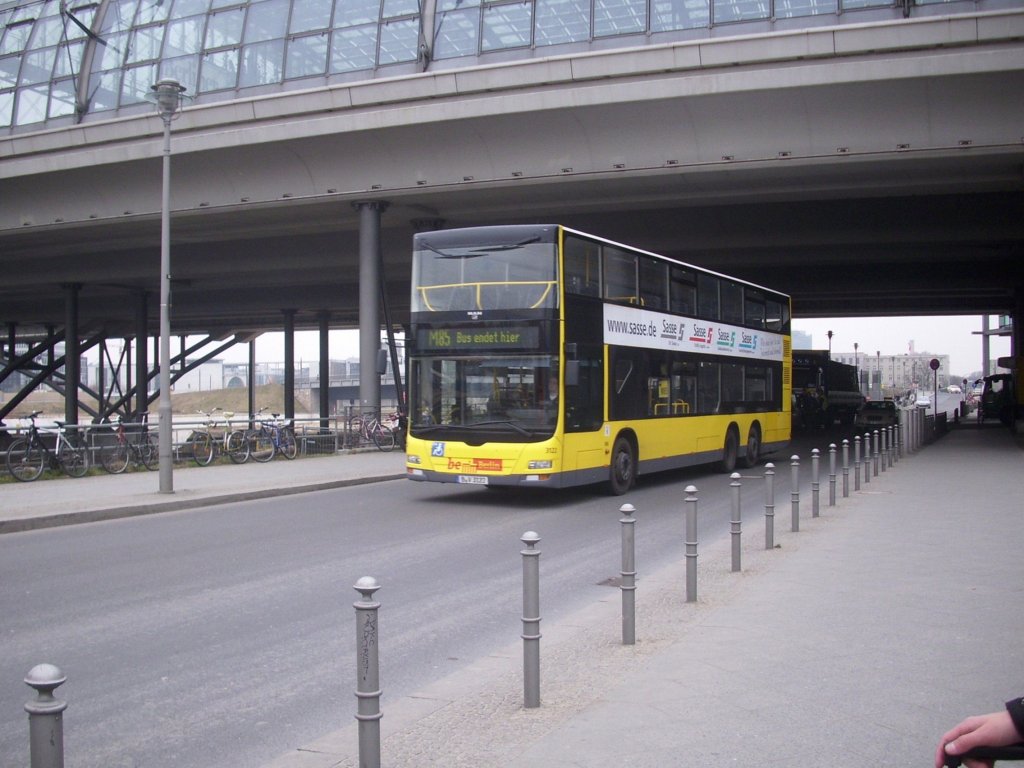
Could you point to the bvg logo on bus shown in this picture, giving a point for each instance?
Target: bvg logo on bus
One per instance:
(474, 465)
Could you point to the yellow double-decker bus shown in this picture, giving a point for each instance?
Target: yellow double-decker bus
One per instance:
(543, 356)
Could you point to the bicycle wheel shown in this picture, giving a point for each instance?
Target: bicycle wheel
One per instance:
(261, 446)
(149, 452)
(287, 445)
(25, 460)
(114, 458)
(237, 447)
(202, 448)
(74, 460)
(383, 438)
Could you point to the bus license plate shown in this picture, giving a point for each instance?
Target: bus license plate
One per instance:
(473, 479)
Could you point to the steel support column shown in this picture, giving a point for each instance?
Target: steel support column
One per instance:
(141, 404)
(369, 303)
(289, 363)
(72, 360)
(325, 371)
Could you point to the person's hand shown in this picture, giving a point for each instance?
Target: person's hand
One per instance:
(994, 730)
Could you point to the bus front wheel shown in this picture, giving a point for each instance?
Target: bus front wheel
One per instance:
(753, 454)
(622, 472)
(731, 450)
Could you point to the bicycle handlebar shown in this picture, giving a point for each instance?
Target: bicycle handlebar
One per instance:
(1014, 752)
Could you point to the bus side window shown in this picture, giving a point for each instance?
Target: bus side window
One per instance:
(620, 276)
(584, 399)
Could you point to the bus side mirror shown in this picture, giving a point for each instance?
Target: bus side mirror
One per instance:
(382, 362)
(572, 373)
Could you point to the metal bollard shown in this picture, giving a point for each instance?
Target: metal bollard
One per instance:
(769, 506)
(832, 474)
(892, 446)
(628, 585)
(867, 457)
(897, 432)
(846, 468)
(45, 717)
(856, 463)
(795, 491)
(691, 543)
(736, 521)
(876, 456)
(815, 485)
(367, 673)
(883, 437)
(531, 620)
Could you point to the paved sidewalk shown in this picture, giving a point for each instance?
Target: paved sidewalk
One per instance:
(856, 641)
(63, 500)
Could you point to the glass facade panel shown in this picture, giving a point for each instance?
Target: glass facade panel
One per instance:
(307, 56)
(787, 9)
(219, 70)
(6, 108)
(112, 54)
(266, 21)
(394, 8)
(37, 66)
(852, 4)
(103, 90)
(619, 17)
(355, 12)
(9, 66)
(145, 45)
(85, 15)
(183, 8)
(354, 48)
(32, 104)
(262, 64)
(62, 98)
(184, 69)
(152, 10)
(562, 21)
(15, 37)
(309, 15)
(398, 41)
(457, 33)
(69, 60)
(47, 32)
(507, 26)
(225, 28)
(741, 10)
(183, 37)
(119, 16)
(136, 83)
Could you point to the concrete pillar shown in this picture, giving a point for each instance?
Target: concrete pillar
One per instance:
(369, 303)
(252, 379)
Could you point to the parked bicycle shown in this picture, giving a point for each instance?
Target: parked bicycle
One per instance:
(384, 436)
(28, 456)
(217, 436)
(138, 448)
(270, 438)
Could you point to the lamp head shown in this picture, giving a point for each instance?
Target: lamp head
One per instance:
(167, 93)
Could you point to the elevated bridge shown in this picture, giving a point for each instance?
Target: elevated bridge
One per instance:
(866, 164)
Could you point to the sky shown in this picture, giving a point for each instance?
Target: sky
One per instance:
(949, 335)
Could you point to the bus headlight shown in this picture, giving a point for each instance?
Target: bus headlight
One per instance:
(412, 458)
(540, 464)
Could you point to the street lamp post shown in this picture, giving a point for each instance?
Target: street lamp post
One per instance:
(856, 367)
(829, 334)
(167, 95)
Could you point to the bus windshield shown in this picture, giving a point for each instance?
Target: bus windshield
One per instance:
(514, 397)
(454, 276)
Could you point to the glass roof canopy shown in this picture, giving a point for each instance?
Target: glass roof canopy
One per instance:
(63, 61)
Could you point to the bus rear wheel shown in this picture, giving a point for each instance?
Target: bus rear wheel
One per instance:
(622, 471)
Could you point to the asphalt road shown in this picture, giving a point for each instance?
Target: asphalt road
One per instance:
(225, 636)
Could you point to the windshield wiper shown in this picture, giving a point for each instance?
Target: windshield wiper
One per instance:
(507, 246)
(522, 430)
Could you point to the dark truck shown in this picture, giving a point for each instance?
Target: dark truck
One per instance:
(824, 391)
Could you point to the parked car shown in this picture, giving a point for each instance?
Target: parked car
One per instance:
(923, 401)
(953, 389)
(877, 414)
